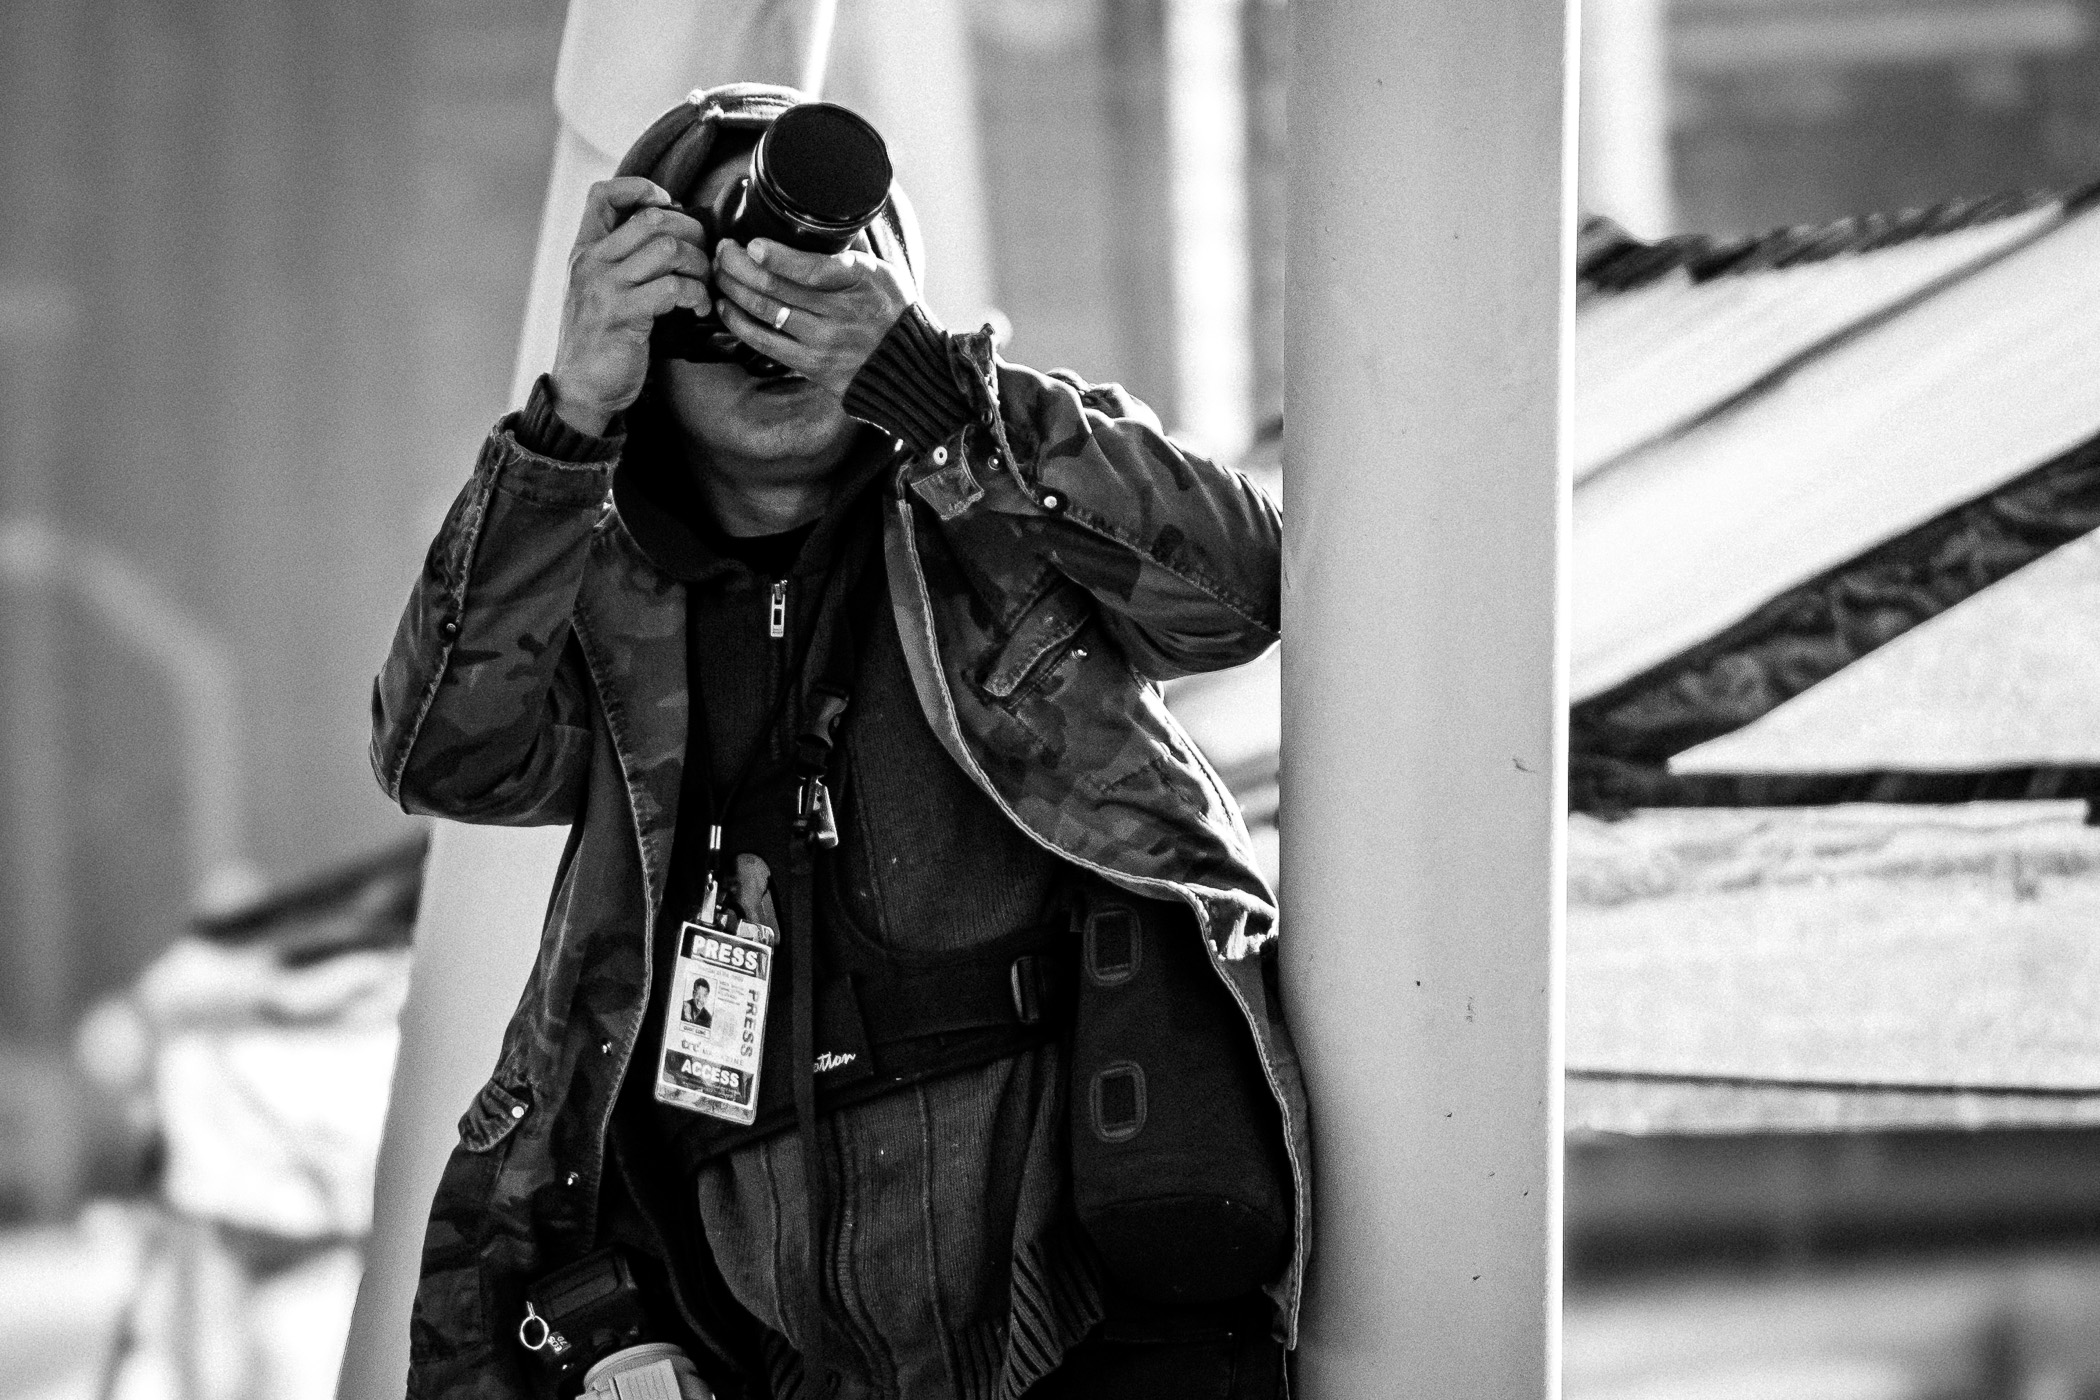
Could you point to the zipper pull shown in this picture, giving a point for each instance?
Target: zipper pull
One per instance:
(713, 891)
(707, 902)
(777, 614)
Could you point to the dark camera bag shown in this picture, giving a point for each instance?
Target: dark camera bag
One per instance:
(1179, 1174)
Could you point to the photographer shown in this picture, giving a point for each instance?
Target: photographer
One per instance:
(835, 640)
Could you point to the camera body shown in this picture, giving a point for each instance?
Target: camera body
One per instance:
(819, 176)
(588, 1326)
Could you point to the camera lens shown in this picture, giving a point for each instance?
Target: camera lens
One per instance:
(822, 173)
(828, 163)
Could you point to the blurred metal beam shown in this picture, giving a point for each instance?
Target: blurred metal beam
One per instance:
(1850, 37)
(816, 47)
(39, 559)
(1213, 292)
(1427, 354)
(36, 805)
(1624, 165)
(41, 69)
(907, 65)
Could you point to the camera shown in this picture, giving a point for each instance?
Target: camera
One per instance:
(819, 176)
(588, 1327)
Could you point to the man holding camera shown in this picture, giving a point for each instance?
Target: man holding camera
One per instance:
(835, 640)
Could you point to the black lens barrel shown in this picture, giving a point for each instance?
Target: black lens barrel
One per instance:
(819, 176)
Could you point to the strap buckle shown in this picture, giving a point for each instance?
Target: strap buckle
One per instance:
(1028, 979)
(814, 820)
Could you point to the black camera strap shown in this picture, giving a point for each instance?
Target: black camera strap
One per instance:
(847, 614)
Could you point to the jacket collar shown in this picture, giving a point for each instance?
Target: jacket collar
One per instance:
(631, 624)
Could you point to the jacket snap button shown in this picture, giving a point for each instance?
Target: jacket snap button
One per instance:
(448, 629)
(940, 456)
(572, 1178)
(1050, 501)
(517, 1110)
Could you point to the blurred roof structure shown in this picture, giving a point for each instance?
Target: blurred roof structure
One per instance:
(354, 906)
(1793, 450)
(1734, 970)
(1836, 495)
(2009, 679)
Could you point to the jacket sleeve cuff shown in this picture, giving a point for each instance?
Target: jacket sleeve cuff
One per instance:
(540, 429)
(907, 387)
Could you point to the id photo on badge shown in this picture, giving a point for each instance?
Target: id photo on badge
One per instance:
(698, 1011)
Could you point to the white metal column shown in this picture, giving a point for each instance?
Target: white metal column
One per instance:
(1424, 689)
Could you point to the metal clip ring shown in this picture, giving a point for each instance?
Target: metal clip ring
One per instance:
(546, 1331)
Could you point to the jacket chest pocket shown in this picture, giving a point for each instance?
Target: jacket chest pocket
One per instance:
(1047, 633)
(496, 1110)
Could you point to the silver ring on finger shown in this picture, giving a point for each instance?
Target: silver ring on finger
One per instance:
(780, 318)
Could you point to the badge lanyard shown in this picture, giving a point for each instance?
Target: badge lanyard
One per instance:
(713, 1041)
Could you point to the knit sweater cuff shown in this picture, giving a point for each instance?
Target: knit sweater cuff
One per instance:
(907, 388)
(540, 429)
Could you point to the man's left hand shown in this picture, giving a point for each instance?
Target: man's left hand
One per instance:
(839, 306)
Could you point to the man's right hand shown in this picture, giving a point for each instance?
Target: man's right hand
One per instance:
(635, 258)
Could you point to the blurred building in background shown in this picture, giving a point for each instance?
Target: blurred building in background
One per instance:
(262, 270)
(259, 284)
(1830, 1101)
(1736, 116)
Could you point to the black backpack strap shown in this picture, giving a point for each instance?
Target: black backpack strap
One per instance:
(1017, 983)
(883, 1027)
(836, 646)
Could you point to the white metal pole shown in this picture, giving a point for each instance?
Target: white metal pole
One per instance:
(622, 63)
(1426, 348)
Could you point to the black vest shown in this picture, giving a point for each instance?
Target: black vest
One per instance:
(942, 930)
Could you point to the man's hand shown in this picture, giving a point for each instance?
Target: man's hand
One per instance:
(635, 258)
(839, 306)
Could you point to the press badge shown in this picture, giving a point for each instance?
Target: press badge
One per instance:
(715, 1025)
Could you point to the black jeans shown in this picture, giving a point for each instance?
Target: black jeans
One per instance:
(1143, 1353)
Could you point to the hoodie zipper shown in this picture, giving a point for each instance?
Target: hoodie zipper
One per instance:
(777, 611)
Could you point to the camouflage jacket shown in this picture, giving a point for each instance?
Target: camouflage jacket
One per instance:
(1049, 564)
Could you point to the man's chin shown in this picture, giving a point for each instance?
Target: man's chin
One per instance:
(805, 425)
